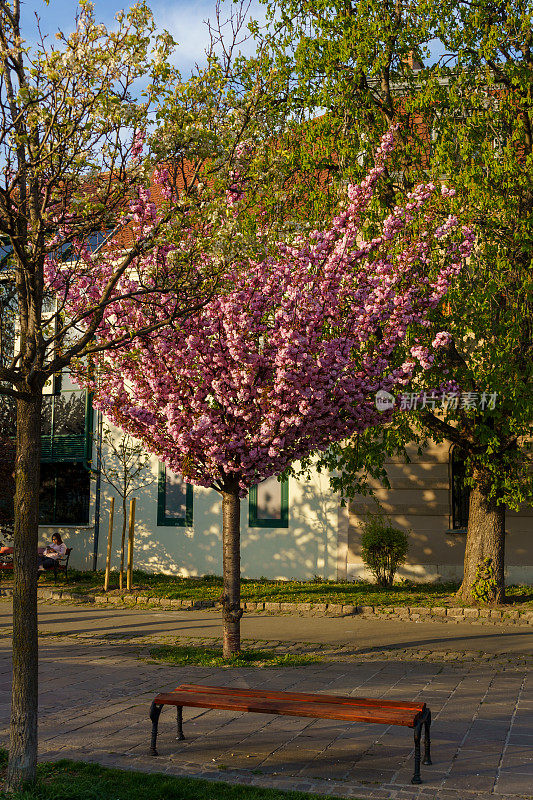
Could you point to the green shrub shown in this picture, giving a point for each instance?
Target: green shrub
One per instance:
(383, 548)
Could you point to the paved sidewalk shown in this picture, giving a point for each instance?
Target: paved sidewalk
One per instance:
(95, 695)
(363, 636)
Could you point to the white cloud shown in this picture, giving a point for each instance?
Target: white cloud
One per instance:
(186, 21)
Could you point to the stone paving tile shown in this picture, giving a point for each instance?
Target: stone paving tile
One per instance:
(470, 778)
(516, 783)
(481, 732)
(521, 738)
(519, 758)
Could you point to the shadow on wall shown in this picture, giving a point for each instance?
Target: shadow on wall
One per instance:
(178, 550)
(307, 548)
(434, 554)
(167, 549)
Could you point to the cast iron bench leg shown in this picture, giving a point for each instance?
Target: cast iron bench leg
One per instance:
(416, 774)
(179, 722)
(155, 712)
(427, 739)
(425, 720)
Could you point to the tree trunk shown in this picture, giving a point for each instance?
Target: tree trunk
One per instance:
(485, 539)
(24, 698)
(231, 546)
(122, 545)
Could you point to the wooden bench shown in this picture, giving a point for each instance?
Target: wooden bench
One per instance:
(60, 564)
(298, 704)
(6, 559)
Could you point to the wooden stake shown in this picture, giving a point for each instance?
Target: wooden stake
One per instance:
(129, 577)
(109, 542)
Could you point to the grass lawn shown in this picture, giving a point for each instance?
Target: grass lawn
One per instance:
(73, 780)
(259, 590)
(185, 655)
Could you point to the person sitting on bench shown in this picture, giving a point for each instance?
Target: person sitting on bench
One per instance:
(52, 553)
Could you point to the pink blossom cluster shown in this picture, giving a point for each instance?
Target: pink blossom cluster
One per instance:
(137, 145)
(424, 357)
(234, 194)
(288, 357)
(81, 281)
(236, 189)
(161, 177)
(441, 339)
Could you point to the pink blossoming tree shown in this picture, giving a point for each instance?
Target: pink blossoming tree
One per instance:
(288, 357)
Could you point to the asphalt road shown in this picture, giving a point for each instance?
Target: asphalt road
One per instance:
(364, 634)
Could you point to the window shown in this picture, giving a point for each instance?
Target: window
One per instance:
(68, 252)
(64, 494)
(66, 422)
(174, 499)
(96, 239)
(269, 504)
(460, 491)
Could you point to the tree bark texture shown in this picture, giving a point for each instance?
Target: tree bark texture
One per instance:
(485, 539)
(24, 698)
(231, 598)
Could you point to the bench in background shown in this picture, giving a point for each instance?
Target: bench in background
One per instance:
(60, 565)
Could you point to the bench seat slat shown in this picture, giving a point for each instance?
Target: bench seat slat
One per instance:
(322, 710)
(302, 696)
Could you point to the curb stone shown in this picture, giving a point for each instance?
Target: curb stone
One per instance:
(437, 614)
(426, 613)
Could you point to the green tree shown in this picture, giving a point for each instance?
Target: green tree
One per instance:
(354, 67)
(73, 168)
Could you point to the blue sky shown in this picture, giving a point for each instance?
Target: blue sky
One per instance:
(183, 18)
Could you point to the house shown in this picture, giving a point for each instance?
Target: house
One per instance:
(289, 529)
(292, 529)
(429, 499)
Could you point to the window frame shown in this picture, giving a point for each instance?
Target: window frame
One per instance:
(257, 522)
(173, 522)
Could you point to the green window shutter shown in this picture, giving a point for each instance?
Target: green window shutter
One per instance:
(64, 448)
(57, 447)
(258, 519)
(165, 515)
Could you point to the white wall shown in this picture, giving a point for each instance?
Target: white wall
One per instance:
(308, 547)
